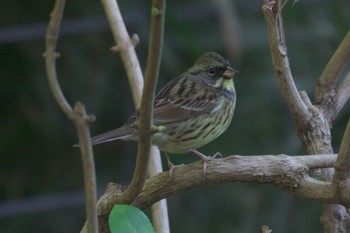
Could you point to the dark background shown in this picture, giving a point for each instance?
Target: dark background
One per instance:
(40, 172)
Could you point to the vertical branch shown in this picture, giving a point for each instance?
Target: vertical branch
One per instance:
(50, 55)
(341, 177)
(160, 215)
(146, 109)
(126, 48)
(78, 116)
(82, 121)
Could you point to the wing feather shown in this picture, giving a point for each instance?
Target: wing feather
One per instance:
(183, 98)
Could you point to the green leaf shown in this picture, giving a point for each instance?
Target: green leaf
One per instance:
(128, 219)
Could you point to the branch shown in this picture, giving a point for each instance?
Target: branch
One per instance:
(326, 83)
(82, 124)
(288, 173)
(272, 13)
(78, 116)
(313, 122)
(341, 178)
(146, 109)
(50, 55)
(343, 92)
(160, 216)
(125, 46)
(159, 210)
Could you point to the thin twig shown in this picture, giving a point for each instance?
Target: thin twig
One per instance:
(78, 116)
(135, 77)
(82, 124)
(125, 46)
(328, 78)
(50, 55)
(146, 109)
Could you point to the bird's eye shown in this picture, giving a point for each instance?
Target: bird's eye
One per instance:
(212, 71)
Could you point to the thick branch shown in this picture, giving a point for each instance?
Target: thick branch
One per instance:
(272, 13)
(284, 172)
(289, 173)
(327, 81)
(313, 122)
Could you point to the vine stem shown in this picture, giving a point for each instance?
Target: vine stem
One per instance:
(77, 115)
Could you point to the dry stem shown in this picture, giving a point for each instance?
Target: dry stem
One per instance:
(78, 116)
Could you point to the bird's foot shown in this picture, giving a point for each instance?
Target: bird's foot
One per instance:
(205, 159)
(171, 167)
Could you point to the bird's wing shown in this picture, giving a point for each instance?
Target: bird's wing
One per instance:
(183, 98)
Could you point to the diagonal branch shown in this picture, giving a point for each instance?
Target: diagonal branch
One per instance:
(327, 81)
(272, 13)
(343, 92)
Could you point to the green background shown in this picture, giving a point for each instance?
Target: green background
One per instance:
(40, 172)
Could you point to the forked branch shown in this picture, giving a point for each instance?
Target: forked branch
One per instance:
(78, 116)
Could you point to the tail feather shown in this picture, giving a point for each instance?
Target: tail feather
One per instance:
(120, 133)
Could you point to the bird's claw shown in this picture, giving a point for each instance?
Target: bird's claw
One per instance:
(171, 167)
(205, 159)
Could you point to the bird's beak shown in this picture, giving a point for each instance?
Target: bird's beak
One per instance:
(229, 72)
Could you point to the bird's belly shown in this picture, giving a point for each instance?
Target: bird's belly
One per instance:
(193, 133)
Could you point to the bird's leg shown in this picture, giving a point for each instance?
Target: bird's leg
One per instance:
(170, 165)
(205, 159)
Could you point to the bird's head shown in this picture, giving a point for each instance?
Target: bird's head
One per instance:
(214, 70)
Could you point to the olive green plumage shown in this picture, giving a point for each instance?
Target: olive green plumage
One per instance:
(193, 109)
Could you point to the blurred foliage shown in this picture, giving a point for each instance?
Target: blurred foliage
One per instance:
(36, 154)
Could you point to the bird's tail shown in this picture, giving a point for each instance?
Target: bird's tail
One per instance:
(120, 133)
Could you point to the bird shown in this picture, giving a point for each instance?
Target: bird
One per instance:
(190, 111)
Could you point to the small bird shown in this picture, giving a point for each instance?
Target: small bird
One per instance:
(190, 111)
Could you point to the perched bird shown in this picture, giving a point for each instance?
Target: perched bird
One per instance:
(191, 110)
